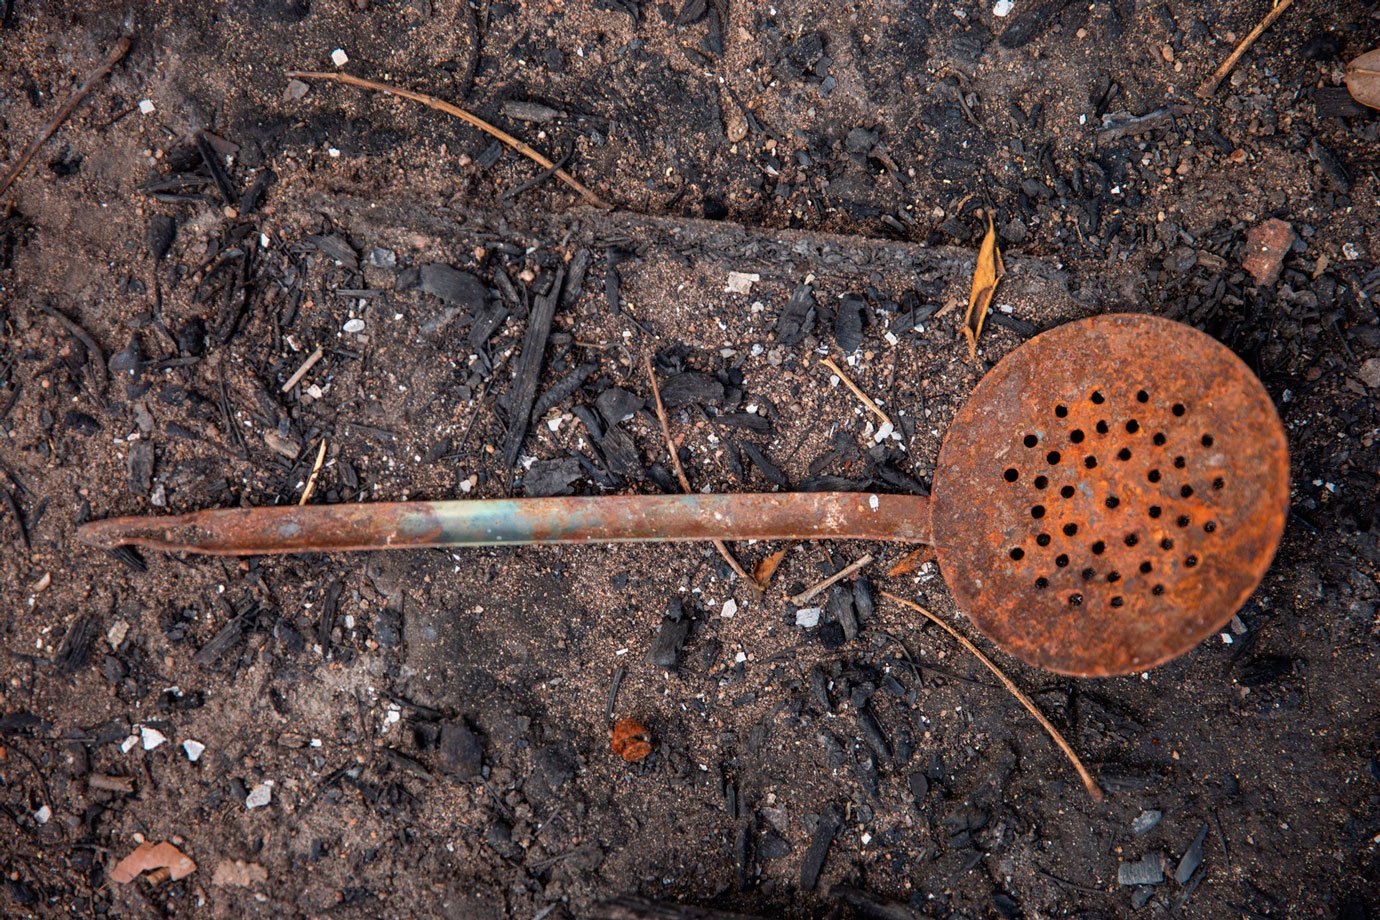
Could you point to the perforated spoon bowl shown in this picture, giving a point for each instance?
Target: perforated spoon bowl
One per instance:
(1108, 497)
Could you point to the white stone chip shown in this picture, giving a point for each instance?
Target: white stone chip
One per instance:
(339, 58)
(193, 749)
(151, 737)
(730, 608)
(129, 744)
(354, 325)
(146, 107)
(807, 617)
(260, 795)
(741, 282)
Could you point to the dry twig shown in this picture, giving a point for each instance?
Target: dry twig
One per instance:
(853, 387)
(301, 372)
(1209, 86)
(117, 53)
(720, 545)
(1088, 782)
(440, 105)
(315, 471)
(847, 571)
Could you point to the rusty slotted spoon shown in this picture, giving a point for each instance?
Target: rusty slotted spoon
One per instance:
(1108, 497)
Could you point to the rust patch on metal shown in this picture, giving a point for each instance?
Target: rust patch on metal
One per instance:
(1110, 495)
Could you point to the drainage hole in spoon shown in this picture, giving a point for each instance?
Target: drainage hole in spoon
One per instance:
(1011, 474)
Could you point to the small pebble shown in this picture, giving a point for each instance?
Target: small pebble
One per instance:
(807, 617)
(354, 325)
(146, 107)
(151, 737)
(339, 58)
(730, 607)
(260, 795)
(193, 749)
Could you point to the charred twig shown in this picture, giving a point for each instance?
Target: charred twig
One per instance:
(1089, 783)
(720, 545)
(540, 177)
(116, 54)
(13, 508)
(81, 335)
(442, 106)
(1209, 86)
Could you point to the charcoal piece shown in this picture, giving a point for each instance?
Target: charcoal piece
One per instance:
(840, 606)
(860, 141)
(162, 232)
(620, 454)
(551, 477)
(862, 600)
(139, 467)
(919, 785)
(335, 247)
(410, 764)
(618, 405)
(819, 688)
(1332, 166)
(772, 845)
(222, 642)
(797, 320)
(1264, 669)
(1149, 870)
(848, 324)
(825, 828)
(388, 627)
(770, 471)
(453, 286)
(691, 12)
(831, 635)
(692, 387)
(461, 753)
(749, 421)
(78, 421)
(1025, 27)
(670, 639)
(191, 336)
(486, 325)
(833, 484)
(872, 734)
(1192, 858)
(663, 478)
(575, 277)
(21, 722)
(129, 360)
(591, 422)
(489, 156)
(563, 389)
(75, 651)
(524, 391)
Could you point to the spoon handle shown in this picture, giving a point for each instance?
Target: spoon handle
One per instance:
(498, 522)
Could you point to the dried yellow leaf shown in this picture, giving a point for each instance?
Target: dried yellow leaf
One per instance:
(986, 275)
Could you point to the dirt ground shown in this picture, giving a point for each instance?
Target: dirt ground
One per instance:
(431, 729)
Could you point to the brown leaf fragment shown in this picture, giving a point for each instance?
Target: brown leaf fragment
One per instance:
(152, 857)
(238, 874)
(910, 561)
(986, 275)
(766, 567)
(1363, 79)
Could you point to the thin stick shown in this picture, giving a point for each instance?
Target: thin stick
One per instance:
(117, 53)
(862, 397)
(847, 571)
(315, 471)
(1209, 86)
(720, 545)
(1088, 782)
(439, 105)
(301, 372)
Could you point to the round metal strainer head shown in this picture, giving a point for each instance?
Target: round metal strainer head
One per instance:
(1110, 495)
